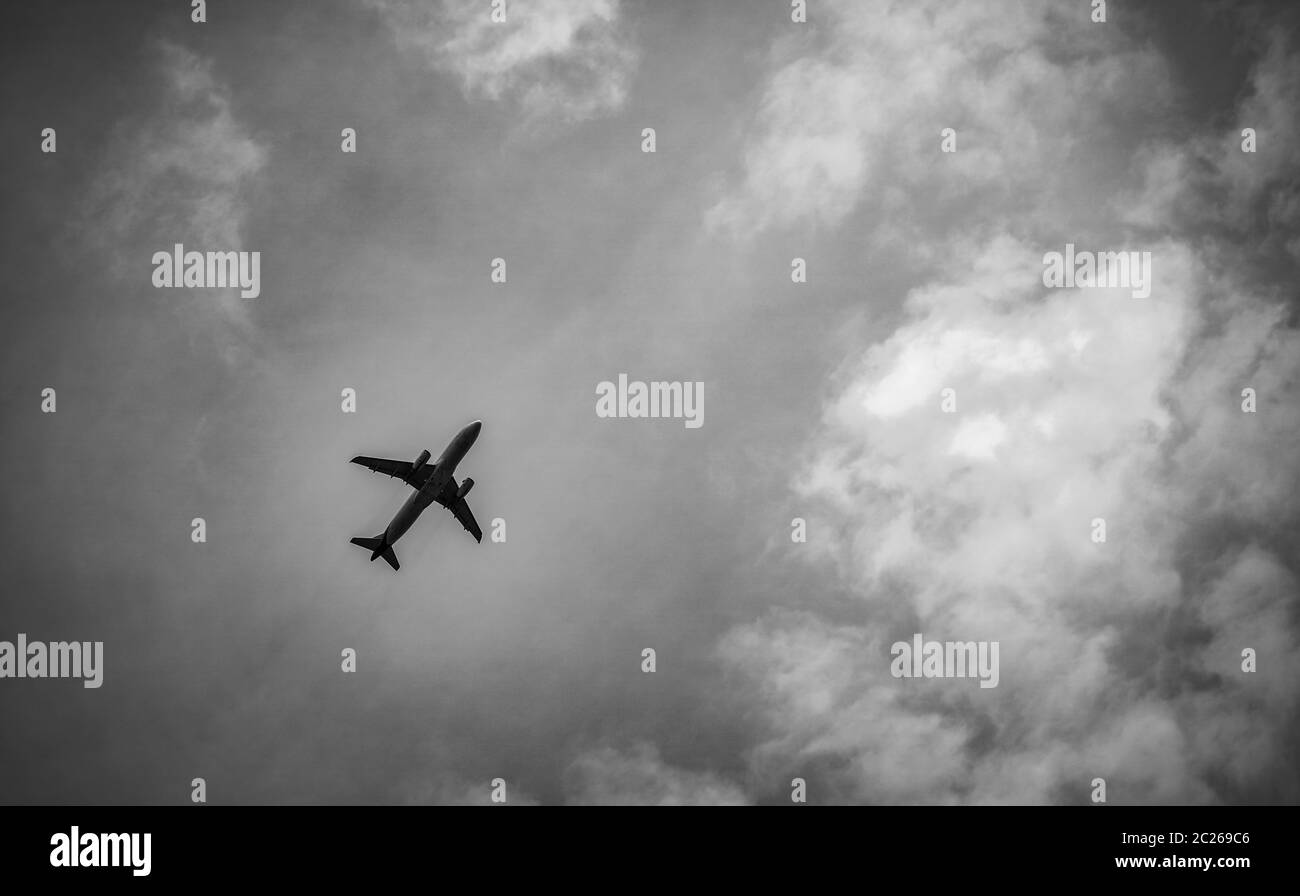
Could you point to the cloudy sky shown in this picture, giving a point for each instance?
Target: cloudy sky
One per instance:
(774, 140)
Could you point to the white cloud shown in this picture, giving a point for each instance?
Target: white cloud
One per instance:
(1001, 550)
(979, 437)
(1119, 660)
(639, 777)
(1209, 179)
(184, 173)
(860, 119)
(565, 60)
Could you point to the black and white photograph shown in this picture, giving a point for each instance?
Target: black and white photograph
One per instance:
(881, 404)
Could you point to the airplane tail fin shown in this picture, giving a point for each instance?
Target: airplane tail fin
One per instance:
(378, 549)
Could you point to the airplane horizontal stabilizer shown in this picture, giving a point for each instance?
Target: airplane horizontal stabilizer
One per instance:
(378, 549)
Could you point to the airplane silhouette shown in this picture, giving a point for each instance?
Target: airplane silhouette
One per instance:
(432, 482)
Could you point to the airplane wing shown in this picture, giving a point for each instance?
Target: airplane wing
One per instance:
(460, 510)
(401, 469)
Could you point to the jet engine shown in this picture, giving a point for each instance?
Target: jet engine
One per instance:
(419, 462)
(464, 488)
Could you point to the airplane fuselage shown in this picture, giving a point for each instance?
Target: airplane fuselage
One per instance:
(443, 470)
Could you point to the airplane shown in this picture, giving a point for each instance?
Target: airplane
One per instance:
(432, 482)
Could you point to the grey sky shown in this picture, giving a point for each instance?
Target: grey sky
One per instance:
(522, 660)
